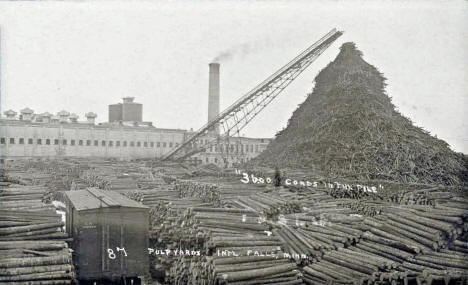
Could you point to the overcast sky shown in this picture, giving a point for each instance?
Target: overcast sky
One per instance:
(81, 56)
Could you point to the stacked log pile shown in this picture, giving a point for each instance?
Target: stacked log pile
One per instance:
(209, 193)
(376, 259)
(91, 179)
(421, 244)
(425, 196)
(21, 197)
(365, 207)
(306, 235)
(237, 250)
(152, 197)
(171, 228)
(268, 204)
(307, 243)
(33, 250)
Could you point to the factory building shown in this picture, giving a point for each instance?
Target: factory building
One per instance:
(62, 137)
(124, 136)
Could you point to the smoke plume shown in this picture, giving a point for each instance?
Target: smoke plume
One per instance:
(238, 50)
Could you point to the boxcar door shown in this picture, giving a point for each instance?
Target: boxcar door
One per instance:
(115, 259)
(88, 257)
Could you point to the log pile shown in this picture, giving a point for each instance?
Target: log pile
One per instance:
(409, 196)
(365, 207)
(153, 196)
(21, 197)
(237, 250)
(209, 193)
(171, 228)
(416, 243)
(413, 235)
(91, 179)
(33, 250)
(348, 127)
(269, 205)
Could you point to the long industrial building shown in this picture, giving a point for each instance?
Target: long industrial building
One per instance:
(124, 136)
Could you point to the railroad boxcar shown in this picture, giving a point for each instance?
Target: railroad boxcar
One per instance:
(110, 235)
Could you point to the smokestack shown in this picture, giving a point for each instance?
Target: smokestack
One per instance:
(213, 94)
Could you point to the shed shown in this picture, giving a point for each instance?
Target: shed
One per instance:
(110, 234)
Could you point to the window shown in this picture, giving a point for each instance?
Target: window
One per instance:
(64, 142)
(88, 142)
(12, 140)
(207, 160)
(164, 144)
(138, 144)
(39, 141)
(158, 144)
(117, 143)
(151, 144)
(111, 143)
(132, 143)
(72, 142)
(2, 140)
(145, 144)
(125, 143)
(171, 144)
(30, 141)
(47, 141)
(96, 142)
(80, 142)
(21, 141)
(216, 160)
(56, 141)
(103, 143)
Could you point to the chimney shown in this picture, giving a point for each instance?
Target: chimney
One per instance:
(213, 94)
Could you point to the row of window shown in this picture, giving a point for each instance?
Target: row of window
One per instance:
(233, 148)
(89, 142)
(215, 160)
